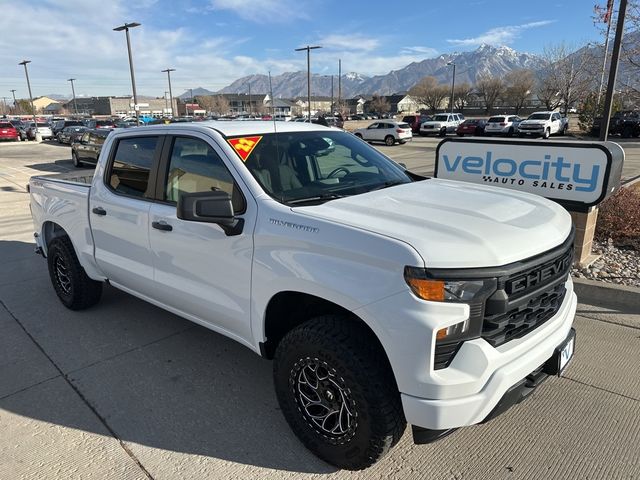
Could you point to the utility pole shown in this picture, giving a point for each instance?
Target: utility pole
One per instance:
(73, 91)
(33, 110)
(126, 28)
(169, 70)
(606, 51)
(308, 49)
(4, 105)
(340, 86)
(332, 107)
(250, 106)
(192, 109)
(15, 105)
(453, 83)
(613, 71)
(166, 107)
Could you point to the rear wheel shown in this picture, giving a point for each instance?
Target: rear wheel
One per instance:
(389, 140)
(74, 288)
(337, 392)
(564, 130)
(74, 158)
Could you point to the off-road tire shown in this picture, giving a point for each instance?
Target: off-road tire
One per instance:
(389, 141)
(74, 288)
(353, 356)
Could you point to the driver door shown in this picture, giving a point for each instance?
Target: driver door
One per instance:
(372, 132)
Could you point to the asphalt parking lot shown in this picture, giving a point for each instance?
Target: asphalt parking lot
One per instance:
(126, 390)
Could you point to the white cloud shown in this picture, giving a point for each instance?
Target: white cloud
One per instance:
(349, 42)
(499, 35)
(427, 52)
(263, 11)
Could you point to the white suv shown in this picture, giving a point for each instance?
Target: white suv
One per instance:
(441, 124)
(502, 125)
(386, 131)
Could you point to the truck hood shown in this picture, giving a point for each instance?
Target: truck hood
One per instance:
(533, 122)
(454, 224)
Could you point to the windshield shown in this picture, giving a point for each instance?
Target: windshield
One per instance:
(440, 118)
(539, 116)
(298, 168)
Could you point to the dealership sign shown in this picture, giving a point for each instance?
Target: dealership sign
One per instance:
(575, 174)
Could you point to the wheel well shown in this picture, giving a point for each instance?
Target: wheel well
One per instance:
(51, 230)
(287, 310)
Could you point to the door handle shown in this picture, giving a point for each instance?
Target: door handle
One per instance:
(99, 211)
(165, 227)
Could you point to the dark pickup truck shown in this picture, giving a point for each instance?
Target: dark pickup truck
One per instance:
(625, 123)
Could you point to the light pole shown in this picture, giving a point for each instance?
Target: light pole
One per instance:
(169, 70)
(4, 105)
(308, 49)
(192, 109)
(15, 105)
(453, 83)
(250, 106)
(126, 28)
(73, 90)
(166, 107)
(33, 110)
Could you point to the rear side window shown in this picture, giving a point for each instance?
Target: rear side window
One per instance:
(6, 125)
(404, 125)
(132, 164)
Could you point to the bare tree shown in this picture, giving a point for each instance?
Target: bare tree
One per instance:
(429, 92)
(566, 72)
(519, 85)
(380, 104)
(490, 89)
(214, 104)
(461, 93)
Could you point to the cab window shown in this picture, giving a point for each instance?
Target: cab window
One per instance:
(194, 167)
(132, 161)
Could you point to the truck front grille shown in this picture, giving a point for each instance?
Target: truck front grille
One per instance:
(526, 299)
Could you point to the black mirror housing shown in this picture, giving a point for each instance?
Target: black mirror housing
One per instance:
(210, 207)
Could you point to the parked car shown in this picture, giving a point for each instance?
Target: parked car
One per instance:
(87, 149)
(334, 122)
(471, 126)
(21, 127)
(59, 125)
(386, 131)
(72, 134)
(384, 298)
(93, 123)
(441, 124)
(356, 116)
(415, 121)
(625, 123)
(502, 125)
(44, 129)
(543, 124)
(9, 132)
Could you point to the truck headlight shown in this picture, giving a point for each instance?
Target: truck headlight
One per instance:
(444, 290)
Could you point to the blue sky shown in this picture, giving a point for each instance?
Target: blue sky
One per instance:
(210, 43)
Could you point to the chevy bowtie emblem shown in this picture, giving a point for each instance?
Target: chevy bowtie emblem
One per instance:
(244, 146)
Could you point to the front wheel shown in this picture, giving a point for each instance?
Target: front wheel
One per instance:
(73, 286)
(546, 134)
(337, 392)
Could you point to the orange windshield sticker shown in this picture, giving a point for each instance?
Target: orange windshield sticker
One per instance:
(244, 146)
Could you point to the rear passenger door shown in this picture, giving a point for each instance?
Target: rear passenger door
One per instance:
(119, 212)
(200, 270)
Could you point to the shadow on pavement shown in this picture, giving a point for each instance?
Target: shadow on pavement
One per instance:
(55, 166)
(157, 380)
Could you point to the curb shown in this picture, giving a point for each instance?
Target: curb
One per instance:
(593, 292)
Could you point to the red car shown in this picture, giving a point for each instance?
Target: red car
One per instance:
(471, 126)
(8, 132)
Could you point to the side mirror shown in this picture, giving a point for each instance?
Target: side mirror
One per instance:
(210, 207)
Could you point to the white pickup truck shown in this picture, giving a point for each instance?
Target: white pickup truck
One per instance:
(543, 124)
(382, 296)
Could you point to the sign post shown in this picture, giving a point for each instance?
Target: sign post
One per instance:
(577, 175)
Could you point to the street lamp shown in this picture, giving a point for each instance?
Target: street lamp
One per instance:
(126, 28)
(33, 110)
(308, 49)
(169, 70)
(453, 82)
(192, 108)
(73, 90)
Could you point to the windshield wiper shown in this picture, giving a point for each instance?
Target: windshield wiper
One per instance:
(317, 198)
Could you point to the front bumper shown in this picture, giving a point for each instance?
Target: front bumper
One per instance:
(442, 414)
